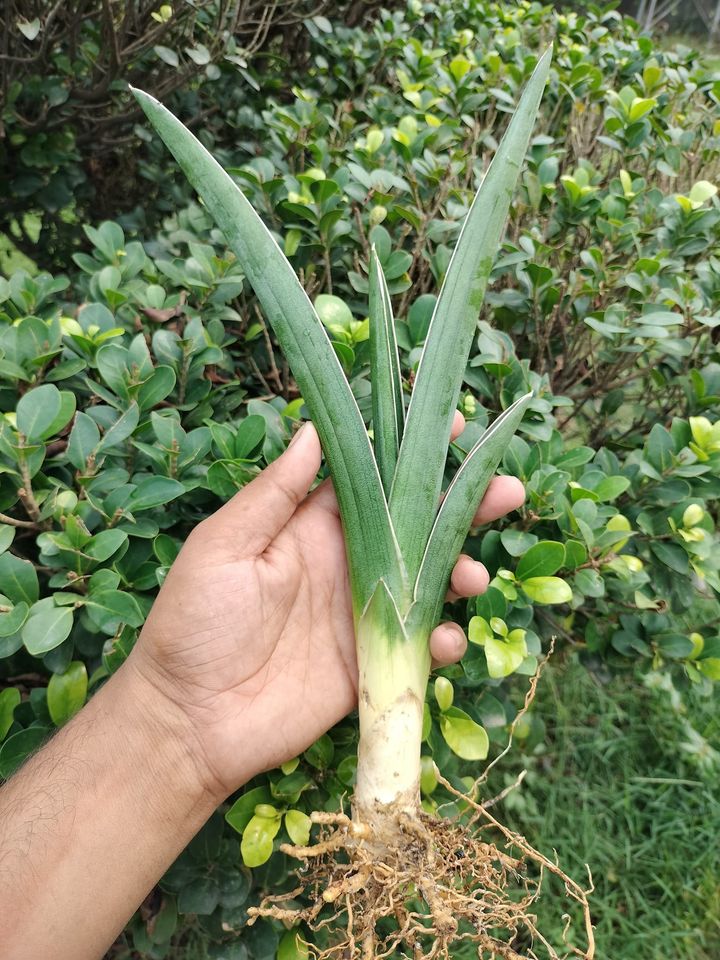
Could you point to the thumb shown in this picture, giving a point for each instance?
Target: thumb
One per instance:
(262, 508)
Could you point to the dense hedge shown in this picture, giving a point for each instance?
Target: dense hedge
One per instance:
(144, 377)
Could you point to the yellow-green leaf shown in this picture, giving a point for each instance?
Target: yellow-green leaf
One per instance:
(292, 947)
(504, 656)
(547, 590)
(298, 826)
(465, 738)
(257, 840)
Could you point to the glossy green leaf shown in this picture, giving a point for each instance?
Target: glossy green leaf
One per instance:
(292, 947)
(66, 692)
(241, 812)
(17, 748)
(547, 590)
(18, 580)
(249, 437)
(504, 655)
(37, 410)
(9, 699)
(84, 438)
(12, 620)
(108, 608)
(154, 492)
(46, 627)
(541, 560)
(298, 826)
(463, 735)
(256, 845)
(7, 535)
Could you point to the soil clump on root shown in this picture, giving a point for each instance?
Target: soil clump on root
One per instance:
(421, 886)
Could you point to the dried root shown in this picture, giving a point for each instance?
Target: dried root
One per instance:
(430, 885)
(413, 885)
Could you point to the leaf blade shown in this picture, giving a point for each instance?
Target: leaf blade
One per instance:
(457, 510)
(388, 408)
(372, 547)
(413, 502)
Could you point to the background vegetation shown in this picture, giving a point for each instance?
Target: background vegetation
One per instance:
(140, 387)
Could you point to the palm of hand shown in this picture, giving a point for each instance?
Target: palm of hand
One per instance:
(255, 641)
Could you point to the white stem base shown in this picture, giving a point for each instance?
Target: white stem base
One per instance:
(393, 678)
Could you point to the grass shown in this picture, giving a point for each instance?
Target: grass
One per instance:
(627, 779)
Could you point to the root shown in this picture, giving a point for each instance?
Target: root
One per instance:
(392, 883)
(437, 884)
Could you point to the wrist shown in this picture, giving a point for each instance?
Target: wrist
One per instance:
(165, 736)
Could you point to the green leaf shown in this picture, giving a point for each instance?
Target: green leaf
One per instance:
(292, 946)
(505, 655)
(121, 429)
(333, 311)
(575, 553)
(18, 579)
(18, 747)
(37, 410)
(256, 846)
(249, 437)
(109, 608)
(200, 897)
(154, 492)
(456, 512)
(241, 812)
(420, 469)
(444, 693)
(226, 477)
(9, 699)
(465, 738)
(66, 692)
(104, 544)
(420, 315)
(541, 560)
(372, 549)
(156, 387)
(674, 645)
(7, 535)
(13, 620)
(479, 630)
(660, 448)
(46, 627)
(610, 488)
(388, 408)
(320, 754)
(84, 439)
(298, 826)
(547, 590)
(490, 604)
(517, 542)
(671, 554)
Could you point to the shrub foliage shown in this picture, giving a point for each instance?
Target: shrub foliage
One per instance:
(141, 387)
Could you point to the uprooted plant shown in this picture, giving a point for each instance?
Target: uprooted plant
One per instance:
(396, 877)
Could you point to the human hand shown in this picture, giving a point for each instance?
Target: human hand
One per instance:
(251, 637)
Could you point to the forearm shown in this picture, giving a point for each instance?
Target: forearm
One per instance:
(90, 823)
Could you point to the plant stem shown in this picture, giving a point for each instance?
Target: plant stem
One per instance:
(393, 676)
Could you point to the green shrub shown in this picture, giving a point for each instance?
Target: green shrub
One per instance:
(140, 390)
